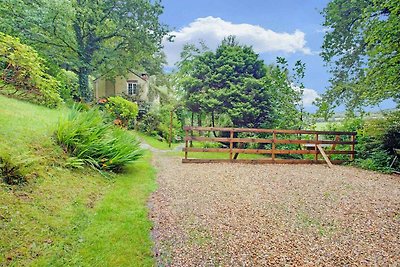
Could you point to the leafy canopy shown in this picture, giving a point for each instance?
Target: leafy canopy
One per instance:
(88, 37)
(362, 48)
(233, 81)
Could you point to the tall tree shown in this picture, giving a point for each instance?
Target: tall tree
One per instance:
(227, 81)
(233, 81)
(85, 36)
(362, 47)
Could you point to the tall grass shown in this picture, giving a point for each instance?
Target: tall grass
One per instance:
(85, 136)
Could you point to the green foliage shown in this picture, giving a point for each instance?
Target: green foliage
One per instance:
(68, 84)
(362, 49)
(286, 92)
(233, 81)
(376, 139)
(227, 82)
(156, 123)
(84, 136)
(371, 154)
(88, 36)
(391, 137)
(23, 69)
(122, 110)
(66, 217)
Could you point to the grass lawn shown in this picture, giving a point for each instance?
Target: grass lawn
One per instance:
(212, 155)
(154, 142)
(68, 217)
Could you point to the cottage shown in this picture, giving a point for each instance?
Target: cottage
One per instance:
(134, 86)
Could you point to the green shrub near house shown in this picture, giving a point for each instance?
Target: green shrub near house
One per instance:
(69, 84)
(156, 122)
(122, 111)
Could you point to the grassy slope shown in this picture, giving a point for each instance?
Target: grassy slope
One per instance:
(68, 217)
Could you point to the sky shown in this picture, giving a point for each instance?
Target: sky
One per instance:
(289, 28)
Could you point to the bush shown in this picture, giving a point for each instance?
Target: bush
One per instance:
(157, 123)
(376, 140)
(123, 111)
(86, 137)
(391, 136)
(23, 69)
(68, 84)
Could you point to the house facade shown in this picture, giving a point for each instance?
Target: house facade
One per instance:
(135, 86)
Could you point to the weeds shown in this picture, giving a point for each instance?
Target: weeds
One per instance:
(13, 169)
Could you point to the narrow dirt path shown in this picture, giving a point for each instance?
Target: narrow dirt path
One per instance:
(274, 215)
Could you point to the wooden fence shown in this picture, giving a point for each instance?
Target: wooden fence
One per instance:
(316, 143)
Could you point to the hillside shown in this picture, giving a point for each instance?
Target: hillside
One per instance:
(64, 216)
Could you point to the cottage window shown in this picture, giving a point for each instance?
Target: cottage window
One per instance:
(132, 87)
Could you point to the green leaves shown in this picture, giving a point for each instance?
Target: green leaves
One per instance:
(24, 69)
(88, 37)
(233, 81)
(220, 81)
(84, 136)
(362, 49)
(122, 109)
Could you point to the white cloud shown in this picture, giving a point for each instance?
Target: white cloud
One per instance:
(309, 95)
(212, 30)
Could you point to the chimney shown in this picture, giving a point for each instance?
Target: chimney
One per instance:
(144, 76)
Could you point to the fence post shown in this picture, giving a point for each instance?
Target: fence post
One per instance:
(186, 142)
(316, 148)
(273, 145)
(353, 139)
(231, 146)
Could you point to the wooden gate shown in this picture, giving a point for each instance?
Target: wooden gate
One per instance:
(276, 143)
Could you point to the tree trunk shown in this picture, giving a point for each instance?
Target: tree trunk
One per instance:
(199, 122)
(191, 132)
(213, 122)
(237, 145)
(84, 90)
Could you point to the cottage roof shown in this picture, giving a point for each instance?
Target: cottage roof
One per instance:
(131, 71)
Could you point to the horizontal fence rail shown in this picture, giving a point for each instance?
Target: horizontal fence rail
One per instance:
(271, 145)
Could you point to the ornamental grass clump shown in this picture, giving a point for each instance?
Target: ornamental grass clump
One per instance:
(85, 136)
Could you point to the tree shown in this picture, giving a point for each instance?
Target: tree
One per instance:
(362, 48)
(106, 36)
(227, 81)
(234, 82)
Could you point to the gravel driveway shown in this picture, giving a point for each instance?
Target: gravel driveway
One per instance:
(274, 215)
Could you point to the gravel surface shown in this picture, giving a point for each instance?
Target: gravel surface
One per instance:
(274, 215)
